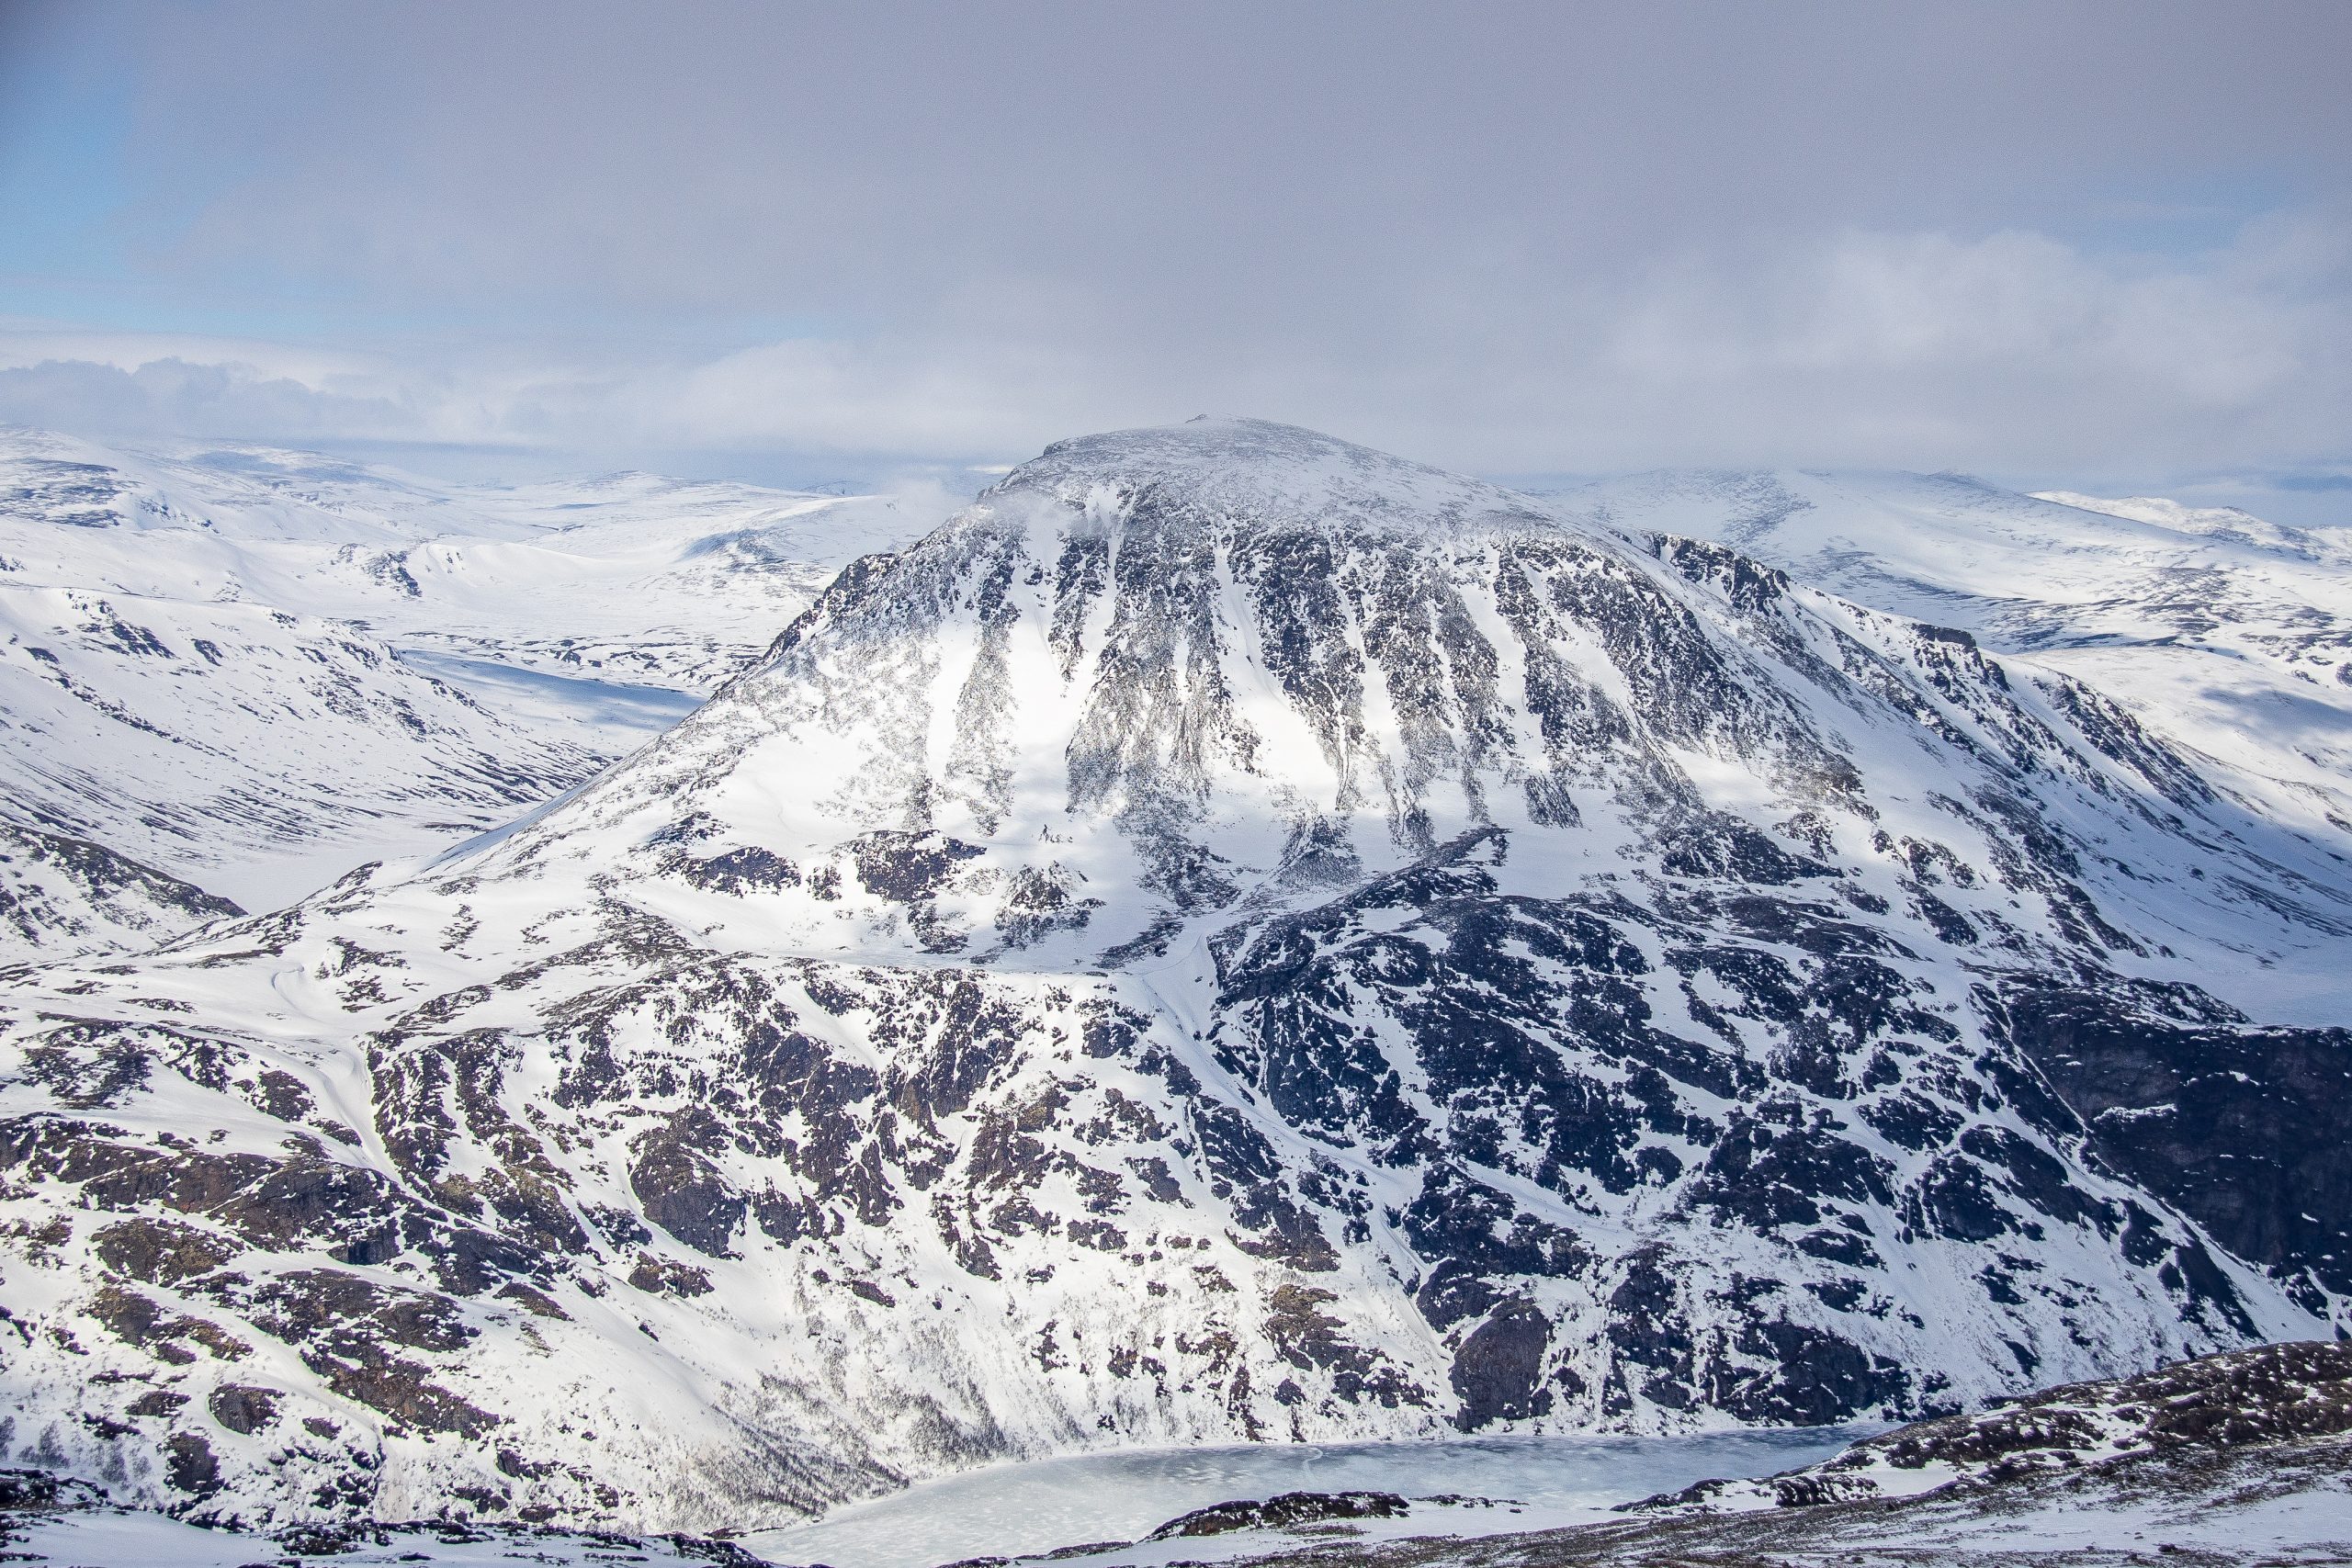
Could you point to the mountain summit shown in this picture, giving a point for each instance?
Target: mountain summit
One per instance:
(1233, 935)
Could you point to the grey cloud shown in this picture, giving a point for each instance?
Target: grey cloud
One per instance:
(1259, 165)
(1513, 237)
(2012, 353)
(176, 397)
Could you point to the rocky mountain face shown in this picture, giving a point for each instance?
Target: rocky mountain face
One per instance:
(251, 670)
(1233, 936)
(2229, 636)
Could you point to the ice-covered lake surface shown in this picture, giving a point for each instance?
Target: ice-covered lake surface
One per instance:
(1467, 1487)
(617, 712)
(1509, 1483)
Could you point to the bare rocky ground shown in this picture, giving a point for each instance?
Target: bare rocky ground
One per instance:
(2287, 1504)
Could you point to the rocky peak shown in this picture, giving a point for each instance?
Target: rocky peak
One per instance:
(1231, 936)
(1257, 474)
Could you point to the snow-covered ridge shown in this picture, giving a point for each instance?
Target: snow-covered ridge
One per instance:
(2228, 635)
(254, 669)
(1255, 468)
(2228, 522)
(63, 894)
(1228, 938)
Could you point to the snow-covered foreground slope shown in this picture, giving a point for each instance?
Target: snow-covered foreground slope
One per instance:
(2241, 1461)
(2237, 1459)
(2229, 636)
(253, 670)
(1232, 937)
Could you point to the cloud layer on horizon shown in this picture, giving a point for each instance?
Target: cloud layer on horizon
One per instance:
(2067, 238)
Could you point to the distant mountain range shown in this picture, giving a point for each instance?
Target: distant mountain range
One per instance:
(248, 670)
(1234, 935)
(2228, 635)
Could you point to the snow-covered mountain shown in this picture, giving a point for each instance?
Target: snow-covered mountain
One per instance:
(2229, 636)
(1232, 936)
(59, 893)
(251, 670)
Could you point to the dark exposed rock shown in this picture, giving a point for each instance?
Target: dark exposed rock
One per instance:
(907, 866)
(155, 1402)
(241, 1407)
(160, 1252)
(744, 871)
(1812, 1378)
(1452, 1293)
(1497, 1373)
(663, 1277)
(1287, 1511)
(2242, 1128)
(189, 1462)
(682, 1193)
(139, 1320)
(346, 1326)
(1307, 1336)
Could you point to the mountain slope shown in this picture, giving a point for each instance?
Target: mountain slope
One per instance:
(239, 744)
(63, 896)
(2229, 636)
(254, 668)
(1232, 936)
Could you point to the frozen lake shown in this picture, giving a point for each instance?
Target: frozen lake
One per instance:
(1536, 1482)
(625, 711)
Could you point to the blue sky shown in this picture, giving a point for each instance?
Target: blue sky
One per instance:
(65, 180)
(2097, 245)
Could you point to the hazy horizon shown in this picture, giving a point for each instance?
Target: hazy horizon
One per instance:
(2076, 246)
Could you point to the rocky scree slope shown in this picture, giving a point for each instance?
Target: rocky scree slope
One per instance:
(1233, 936)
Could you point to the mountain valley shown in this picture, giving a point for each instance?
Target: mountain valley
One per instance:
(248, 670)
(1231, 937)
